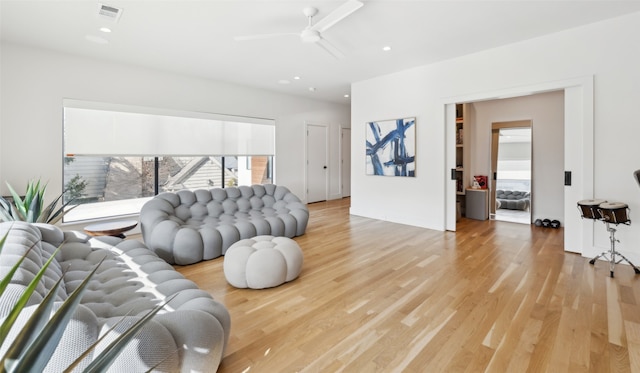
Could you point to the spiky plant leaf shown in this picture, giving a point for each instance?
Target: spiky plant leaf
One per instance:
(30, 330)
(47, 214)
(34, 210)
(34, 191)
(5, 216)
(60, 213)
(29, 196)
(7, 278)
(41, 195)
(33, 201)
(5, 210)
(17, 215)
(4, 203)
(50, 217)
(3, 240)
(82, 356)
(40, 351)
(22, 301)
(107, 357)
(17, 202)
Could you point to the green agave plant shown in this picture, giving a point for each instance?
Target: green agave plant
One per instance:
(31, 208)
(36, 342)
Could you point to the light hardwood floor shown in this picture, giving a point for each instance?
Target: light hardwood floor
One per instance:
(375, 296)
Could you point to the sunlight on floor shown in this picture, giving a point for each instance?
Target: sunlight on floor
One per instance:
(514, 216)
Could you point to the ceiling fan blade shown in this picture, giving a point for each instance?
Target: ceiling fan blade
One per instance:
(337, 15)
(263, 36)
(330, 48)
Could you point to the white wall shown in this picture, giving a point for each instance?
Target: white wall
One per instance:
(35, 81)
(601, 49)
(546, 112)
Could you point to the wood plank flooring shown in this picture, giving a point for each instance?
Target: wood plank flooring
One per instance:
(375, 296)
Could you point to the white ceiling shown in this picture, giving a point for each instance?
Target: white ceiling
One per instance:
(196, 37)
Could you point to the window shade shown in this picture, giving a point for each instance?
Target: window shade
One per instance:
(103, 129)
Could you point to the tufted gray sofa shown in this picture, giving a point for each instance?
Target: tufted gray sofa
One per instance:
(189, 334)
(186, 227)
(512, 199)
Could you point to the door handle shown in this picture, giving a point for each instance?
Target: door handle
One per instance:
(453, 174)
(325, 167)
(567, 178)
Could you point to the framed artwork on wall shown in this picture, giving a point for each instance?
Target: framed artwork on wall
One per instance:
(391, 147)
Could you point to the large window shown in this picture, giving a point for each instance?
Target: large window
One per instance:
(117, 159)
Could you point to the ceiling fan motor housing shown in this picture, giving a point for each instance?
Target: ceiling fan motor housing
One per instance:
(310, 11)
(310, 36)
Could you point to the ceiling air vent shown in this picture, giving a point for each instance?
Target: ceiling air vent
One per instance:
(109, 12)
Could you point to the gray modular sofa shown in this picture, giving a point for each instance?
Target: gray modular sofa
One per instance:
(186, 227)
(512, 199)
(187, 335)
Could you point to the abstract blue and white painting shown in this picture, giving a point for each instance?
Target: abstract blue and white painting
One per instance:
(391, 147)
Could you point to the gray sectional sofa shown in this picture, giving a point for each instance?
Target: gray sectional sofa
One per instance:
(186, 227)
(512, 199)
(188, 335)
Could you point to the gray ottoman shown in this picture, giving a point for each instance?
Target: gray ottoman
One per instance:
(262, 262)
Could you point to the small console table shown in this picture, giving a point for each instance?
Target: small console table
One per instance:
(477, 202)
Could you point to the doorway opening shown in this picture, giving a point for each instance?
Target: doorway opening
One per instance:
(511, 158)
(578, 153)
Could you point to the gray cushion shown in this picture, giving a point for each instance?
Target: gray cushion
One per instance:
(131, 280)
(262, 262)
(190, 226)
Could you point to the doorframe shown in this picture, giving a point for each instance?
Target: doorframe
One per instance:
(306, 160)
(341, 175)
(495, 141)
(578, 116)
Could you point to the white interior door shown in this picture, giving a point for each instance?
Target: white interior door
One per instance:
(345, 162)
(578, 161)
(317, 163)
(450, 148)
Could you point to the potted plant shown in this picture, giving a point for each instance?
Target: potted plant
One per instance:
(30, 207)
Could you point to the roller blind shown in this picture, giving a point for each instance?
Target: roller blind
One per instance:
(105, 129)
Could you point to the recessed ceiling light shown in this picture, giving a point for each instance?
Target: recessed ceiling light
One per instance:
(283, 81)
(96, 39)
(386, 48)
(346, 96)
(105, 29)
(312, 89)
(296, 78)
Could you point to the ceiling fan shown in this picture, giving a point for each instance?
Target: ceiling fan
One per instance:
(313, 32)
